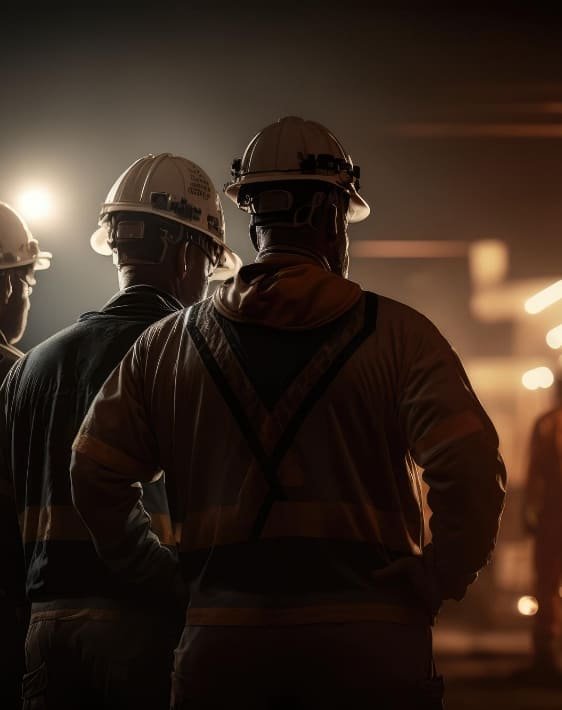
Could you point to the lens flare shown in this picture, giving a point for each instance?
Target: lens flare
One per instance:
(527, 606)
(35, 204)
(554, 337)
(538, 378)
(545, 298)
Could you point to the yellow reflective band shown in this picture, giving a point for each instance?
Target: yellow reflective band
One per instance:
(113, 459)
(223, 525)
(455, 427)
(53, 522)
(63, 523)
(320, 614)
(161, 525)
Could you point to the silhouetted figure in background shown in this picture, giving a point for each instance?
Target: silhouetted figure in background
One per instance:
(542, 518)
(20, 257)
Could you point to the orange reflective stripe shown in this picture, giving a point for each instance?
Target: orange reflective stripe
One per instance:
(62, 522)
(161, 525)
(455, 427)
(53, 522)
(223, 525)
(320, 614)
(113, 459)
(69, 614)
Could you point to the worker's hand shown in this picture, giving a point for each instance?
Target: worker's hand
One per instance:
(418, 577)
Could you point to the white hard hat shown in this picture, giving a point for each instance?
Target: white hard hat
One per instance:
(173, 188)
(295, 149)
(17, 246)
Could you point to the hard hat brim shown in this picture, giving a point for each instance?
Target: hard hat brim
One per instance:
(358, 207)
(98, 240)
(229, 266)
(40, 262)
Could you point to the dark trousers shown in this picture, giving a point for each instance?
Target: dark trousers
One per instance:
(12, 626)
(111, 659)
(382, 666)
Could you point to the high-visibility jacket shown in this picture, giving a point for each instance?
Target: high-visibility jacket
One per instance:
(42, 404)
(289, 413)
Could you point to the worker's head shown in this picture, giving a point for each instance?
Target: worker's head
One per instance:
(162, 221)
(301, 189)
(20, 257)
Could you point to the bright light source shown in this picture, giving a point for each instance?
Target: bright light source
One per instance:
(544, 298)
(554, 337)
(35, 204)
(528, 606)
(538, 378)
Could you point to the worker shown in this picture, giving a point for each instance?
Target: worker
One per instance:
(20, 257)
(543, 520)
(95, 640)
(288, 412)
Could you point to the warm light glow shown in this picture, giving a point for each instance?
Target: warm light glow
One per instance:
(488, 261)
(528, 606)
(538, 378)
(35, 204)
(554, 337)
(544, 298)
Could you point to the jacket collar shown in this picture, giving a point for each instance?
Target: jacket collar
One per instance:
(287, 291)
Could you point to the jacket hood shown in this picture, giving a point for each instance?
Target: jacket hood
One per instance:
(287, 292)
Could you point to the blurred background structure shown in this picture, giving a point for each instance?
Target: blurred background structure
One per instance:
(455, 117)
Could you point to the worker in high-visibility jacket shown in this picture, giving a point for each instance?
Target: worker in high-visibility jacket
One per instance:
(95, 640)
(288, 412)
(543, 519)
(20, 258)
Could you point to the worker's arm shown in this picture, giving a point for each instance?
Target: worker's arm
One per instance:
(453, 440)
(114, 453)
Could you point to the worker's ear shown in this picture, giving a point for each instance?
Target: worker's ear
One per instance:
(6, 287)
(182, 261)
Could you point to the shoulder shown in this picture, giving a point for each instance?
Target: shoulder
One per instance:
(168, 331)
(398, 317)
(8, 356)
(49, 351)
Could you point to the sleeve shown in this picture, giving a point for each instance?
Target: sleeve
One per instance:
(534, 484)
(12, 578)
(453, 440)
(114, 453)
